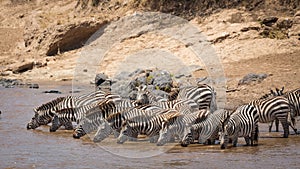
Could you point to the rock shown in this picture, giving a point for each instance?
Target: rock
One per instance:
(122, 76)
(219, 39)
(269, 21)
(162, 80)
(245, 29)
(251, 77)
(297, 13)
(137, 72)
(34, 86)
(102, 82)
(100, 78)
(284, 23)
(6, 73)
(52, 91)
(160, 93)
(58, 38)
(23, 67)
(10, 83)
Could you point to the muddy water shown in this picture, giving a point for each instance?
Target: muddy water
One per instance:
(22, 148)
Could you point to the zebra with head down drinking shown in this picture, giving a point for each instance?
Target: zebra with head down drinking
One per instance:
(181, 127)
(146, 125)
(243, 122)
(43, 114)
(208, 128)
(114, 121)
(95, 118)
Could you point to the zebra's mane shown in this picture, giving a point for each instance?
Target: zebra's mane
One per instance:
(50, 104)
(75, 109)
(101, 107)
(273, 93)
(201, 115)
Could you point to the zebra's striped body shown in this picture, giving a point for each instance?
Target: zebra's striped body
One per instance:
(115, 121)
(43, 114)
(145, 97)
(293, 98)
(147, 125)
(209, 128)
(181, 127)
(202, 94)
(274, 108)
(47, 111)
(70, 114)
(243, 122)
(95, 117)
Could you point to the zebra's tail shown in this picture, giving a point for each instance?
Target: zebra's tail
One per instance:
(213, 102)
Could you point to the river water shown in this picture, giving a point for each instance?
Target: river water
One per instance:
(22, 148)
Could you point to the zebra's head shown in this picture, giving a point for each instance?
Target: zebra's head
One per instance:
(124, 133)
(79, 132)
(55, 124)
(142, 98)
(187, 136)
(223, 137)
(163, 134)
(39, 118)
(103, 132)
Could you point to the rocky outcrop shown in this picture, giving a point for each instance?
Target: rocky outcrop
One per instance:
(56, 39)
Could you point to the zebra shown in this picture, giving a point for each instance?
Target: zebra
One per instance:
(208, 128)
(114, 121)
(181, 127)
(145, 97)
(43, 114)
(69, 114)
(203, 94)
(147, 125)
(243, 122)
(95, 117)
(274, 108)
(294, 99)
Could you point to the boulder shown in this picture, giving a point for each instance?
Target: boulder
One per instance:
(162, 80)
(23, 67)
(269, 21)
(252, 77)
(284, 23)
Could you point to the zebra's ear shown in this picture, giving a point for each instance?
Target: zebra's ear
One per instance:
(282, 89)
(164, 124)
(35, 110)
(144, 87)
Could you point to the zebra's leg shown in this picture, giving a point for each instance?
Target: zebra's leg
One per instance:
(55, 124)
(285, 127)
(277, 125)
(271, 125)
(104, 130)
(133, 137)
(116, 133)
(68, 125)
(255, 137)
(234, 141)
(154, 139)
(248, 140)
(292, 123)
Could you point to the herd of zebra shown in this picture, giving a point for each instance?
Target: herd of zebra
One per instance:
(188, 115)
